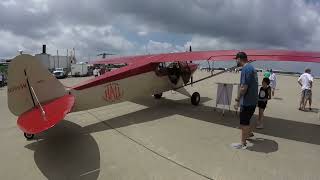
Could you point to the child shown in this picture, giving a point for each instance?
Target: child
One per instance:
(264, 96)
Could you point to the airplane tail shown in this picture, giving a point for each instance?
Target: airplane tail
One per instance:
(35, 95)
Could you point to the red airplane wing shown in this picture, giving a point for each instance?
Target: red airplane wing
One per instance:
(121, 73)
(219, 55)
(33, 122)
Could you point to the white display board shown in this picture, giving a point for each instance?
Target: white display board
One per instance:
(224, 94)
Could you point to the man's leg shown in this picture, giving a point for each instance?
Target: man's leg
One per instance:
(245, 128)
(302, 100)
(273, 89)
(260, 120)
(245, 131)
(253, 123)
(306, 98)
(304, 103)
(310, 100)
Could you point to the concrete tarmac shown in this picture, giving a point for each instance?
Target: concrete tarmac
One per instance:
(168, 139)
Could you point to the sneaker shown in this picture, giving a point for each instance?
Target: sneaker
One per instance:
(238, 146)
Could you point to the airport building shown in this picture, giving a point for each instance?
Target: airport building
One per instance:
(53, 62)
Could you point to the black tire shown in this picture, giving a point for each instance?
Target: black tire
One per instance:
(28, 136)
(157, 96)
(195, 99)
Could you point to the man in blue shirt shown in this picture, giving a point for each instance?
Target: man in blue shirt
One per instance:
(248, 97)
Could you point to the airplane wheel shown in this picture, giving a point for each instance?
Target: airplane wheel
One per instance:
(28, 136)
(195, 98)
(157, 96)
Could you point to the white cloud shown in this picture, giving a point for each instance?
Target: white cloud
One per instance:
(107, 25)
(155, 47)
(87, 40)
(10, 44)
(8, 3)
(142, 33)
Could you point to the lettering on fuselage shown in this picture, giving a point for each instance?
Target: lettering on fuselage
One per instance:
(17, 88)
(113, 92)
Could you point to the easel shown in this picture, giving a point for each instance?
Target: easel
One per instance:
(224, 96)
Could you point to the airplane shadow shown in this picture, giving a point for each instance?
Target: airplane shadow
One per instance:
(66, 152)
(276, 127)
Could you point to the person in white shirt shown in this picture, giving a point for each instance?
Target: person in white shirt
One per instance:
(273, 82)
(305, 81)
(96, 72)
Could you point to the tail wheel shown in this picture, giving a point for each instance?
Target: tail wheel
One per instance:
(28, 136)
(195, 98)
(157, 96)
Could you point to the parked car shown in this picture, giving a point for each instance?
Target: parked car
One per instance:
(59, 73)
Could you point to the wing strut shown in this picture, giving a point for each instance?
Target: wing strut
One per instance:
(25, 73)
(33, 94)
(211, 76)
(43, 113)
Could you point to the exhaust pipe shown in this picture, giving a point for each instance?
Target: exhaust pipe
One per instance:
(44, 49)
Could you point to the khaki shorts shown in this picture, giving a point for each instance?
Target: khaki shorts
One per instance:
(306, 94)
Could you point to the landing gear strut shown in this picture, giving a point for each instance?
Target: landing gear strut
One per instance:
(157, 96)
(28, 136)
(195, 98)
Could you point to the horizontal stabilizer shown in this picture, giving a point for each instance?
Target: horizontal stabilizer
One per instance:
(36, 121)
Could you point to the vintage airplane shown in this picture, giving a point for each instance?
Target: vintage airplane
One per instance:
(41, 101)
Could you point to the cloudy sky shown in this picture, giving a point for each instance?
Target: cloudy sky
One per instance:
(154, 26)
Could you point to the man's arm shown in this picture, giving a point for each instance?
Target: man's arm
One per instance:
(299, 81)
(243, 90)
(243, 84)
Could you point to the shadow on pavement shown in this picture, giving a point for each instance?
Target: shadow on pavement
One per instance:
(277, 98)
(65, 152)
(263, 145)
(68, 151)
(282, 128)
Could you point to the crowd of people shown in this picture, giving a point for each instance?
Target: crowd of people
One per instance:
(98, 71)
(249, 97)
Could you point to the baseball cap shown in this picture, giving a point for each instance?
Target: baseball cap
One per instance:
(241, 55)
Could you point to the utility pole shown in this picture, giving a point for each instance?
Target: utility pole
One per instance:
(58, 58)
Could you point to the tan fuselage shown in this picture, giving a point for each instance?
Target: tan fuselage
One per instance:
(127, 89)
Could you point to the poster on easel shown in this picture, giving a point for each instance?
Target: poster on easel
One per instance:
(224, 94)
